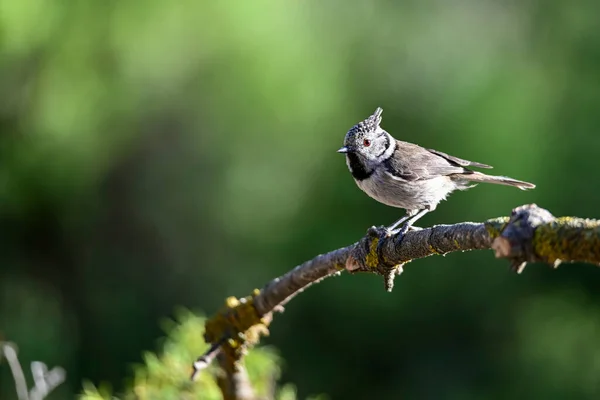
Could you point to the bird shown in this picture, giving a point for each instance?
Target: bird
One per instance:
(405, 175)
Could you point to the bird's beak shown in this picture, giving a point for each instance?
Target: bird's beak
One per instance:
(343, 150)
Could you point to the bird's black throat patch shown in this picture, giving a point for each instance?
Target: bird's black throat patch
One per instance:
(357, 167)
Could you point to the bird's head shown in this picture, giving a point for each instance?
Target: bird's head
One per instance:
(367, 139)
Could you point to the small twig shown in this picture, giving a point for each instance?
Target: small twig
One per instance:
(207, 358)
(10, 353)
(44, 381)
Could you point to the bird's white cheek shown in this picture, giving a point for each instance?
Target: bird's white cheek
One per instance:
(389, 152)
(348, 164)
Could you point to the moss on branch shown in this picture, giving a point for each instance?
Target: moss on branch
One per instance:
(568, 238)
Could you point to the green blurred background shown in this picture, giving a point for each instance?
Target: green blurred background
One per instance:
(156, 154)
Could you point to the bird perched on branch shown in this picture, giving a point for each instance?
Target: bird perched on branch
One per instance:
(405, 175)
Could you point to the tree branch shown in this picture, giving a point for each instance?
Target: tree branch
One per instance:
(531, 234)
(234, 381)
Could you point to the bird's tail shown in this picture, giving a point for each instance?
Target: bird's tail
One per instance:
(499, 180)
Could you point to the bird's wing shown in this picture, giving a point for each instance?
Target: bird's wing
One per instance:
(459, 161)
(411, 162)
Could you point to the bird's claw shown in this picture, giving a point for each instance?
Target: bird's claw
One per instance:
(383, 232)
(379, 232)
(400, 232)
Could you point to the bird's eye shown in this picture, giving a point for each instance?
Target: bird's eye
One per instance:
(366, 142)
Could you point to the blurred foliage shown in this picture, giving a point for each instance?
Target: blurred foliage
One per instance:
(156, 154)
(167, 376)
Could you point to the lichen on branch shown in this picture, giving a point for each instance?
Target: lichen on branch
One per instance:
(533, 234)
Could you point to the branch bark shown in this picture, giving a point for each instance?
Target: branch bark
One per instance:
(531, 234)
(234, 381)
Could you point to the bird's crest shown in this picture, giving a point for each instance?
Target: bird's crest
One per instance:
(368, 125)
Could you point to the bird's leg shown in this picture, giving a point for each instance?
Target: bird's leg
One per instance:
(410, 220)
(382, 231)
(401, 220)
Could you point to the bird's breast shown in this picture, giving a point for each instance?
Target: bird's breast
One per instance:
(410, 195)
